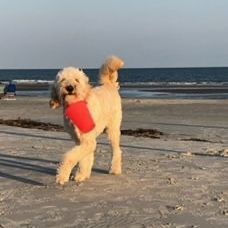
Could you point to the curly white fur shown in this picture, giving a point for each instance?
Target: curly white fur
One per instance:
(104, 104)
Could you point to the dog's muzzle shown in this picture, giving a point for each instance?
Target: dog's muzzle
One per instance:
(70, 89)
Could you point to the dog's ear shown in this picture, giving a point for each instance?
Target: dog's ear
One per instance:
(85, 89)
(55, 101)
(86, 79)
(84, 76)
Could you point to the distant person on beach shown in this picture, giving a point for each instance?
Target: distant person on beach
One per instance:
(2, 89)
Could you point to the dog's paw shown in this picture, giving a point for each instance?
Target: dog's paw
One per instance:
(115, 171)
(80, 178)
(61, 180)
(54, 104)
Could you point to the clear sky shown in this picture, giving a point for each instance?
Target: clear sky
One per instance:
(145, 33)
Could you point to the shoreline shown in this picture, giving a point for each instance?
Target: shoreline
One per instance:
(46, 86)
(190, 89)
(143, 91)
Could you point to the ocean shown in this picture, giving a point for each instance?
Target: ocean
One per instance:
(162, 83)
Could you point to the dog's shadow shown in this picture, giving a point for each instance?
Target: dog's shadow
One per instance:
(18, 163)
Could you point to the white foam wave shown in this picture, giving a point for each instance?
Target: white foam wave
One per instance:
(26, 81)
(174, 84)
(132, 84)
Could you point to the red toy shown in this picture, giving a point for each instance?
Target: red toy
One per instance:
(79, 114)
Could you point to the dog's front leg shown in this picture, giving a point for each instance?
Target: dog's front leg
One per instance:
(72, 157)
(68, 163)
(86, 158)
(85, 168)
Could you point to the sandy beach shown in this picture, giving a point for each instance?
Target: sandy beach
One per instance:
(178, 179)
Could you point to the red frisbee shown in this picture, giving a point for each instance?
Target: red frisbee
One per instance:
(79, 114)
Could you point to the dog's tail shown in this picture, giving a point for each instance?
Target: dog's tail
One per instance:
(109, 71)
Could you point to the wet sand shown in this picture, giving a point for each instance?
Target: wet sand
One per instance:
(178, 179)
(188, 89)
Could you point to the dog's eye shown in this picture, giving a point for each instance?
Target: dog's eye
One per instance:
(76, 80)
(62, 80)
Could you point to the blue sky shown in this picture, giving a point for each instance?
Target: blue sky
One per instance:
(145, 33)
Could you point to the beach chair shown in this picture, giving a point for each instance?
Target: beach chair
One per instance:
(10, 91)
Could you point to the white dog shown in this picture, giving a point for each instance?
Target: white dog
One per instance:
(104, 105)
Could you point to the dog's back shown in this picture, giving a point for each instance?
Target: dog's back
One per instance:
(104, 100)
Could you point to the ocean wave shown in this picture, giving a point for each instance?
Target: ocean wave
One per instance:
(174, 83)
(128, 84)
(27, 81)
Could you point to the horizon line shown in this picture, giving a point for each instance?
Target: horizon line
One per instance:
(94, 68)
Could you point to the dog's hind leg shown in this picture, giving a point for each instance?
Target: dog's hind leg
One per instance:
(114, 136)
(72, 157)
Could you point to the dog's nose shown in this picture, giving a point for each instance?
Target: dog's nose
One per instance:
(70, 88)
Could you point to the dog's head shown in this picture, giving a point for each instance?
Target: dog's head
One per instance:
(71, 84)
